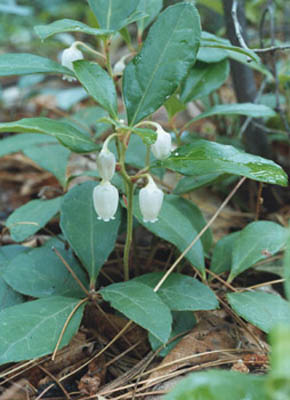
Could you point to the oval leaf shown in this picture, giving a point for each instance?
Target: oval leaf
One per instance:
(68, 25)
(31, 217)
(181, 292)
(205, 157)
(166, 56)
(113, 14)
(98, 84)
(264, 310)
(256, 242)
(15, 143)
(249, 109)
(140, 304)
(32, 329)
(24, 63)
(178, 223)
(91, 239)
(222, 254)
(203, 79)
(65, 133)
(40, 273)
(151, 8)
(219, 385)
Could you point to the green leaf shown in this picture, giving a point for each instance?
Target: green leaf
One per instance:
(91, 239)
(140, 304)
(280, 360)
(214, 5)
(26, 220)
(181, 292)
(210, 55)
(152, 9)
(65, 133)
(68, 25)
(15, 143)
(32, 329)
(219, 385)
(256, 242)
(287, 267)
(248, 109)
(211, 41)
(189, 183)
(178, 223)
(205, 157)
(203, 79)
(222, 254)
(173, 105)
(148, 136)
(52, 157)
(113, 14)
(264, 310)
(183, 321)
(98, 84)
(24, 63)
(8, 297)
(40, 273)
(166, 56)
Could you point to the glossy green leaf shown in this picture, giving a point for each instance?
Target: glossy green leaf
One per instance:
(189, 183)
(148, 136)
(152, 9)
(90, 238)
(31, 330)
(166, 56)
(183, 322)
(210, 55)
(15, 143)
(287, 267)
(205, 157)
(114, 14)
(219, 385)
(181, 292)
(8, 297)
(264, 310)
(65, 133)
(68, 25)
(52, 157)
(24, 63)
(31, 217)
(98, 84)
(256, 242)
(179, 221)
(140, 304)
(203, 79)
(222, 254)
(40, 273)
(248, 109)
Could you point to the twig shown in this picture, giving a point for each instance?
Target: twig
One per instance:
(272, 49)
(213, 218)
(65, 392)
(237, 25)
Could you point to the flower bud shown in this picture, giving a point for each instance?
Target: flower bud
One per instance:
(162, 147)
(68, 57)
(106, 164)
(119, 67)
(106, 199)
(150, 201)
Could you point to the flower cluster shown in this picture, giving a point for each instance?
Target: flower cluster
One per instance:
(106, 196)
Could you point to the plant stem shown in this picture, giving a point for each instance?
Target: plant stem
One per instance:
(129, 234)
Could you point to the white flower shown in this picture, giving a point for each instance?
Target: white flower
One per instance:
(119, 67)
(106, 164)
(68, 57)
(106, 199)
(150, 201)
(162, 147)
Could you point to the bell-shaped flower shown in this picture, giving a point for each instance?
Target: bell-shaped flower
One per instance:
(162, 147)
(68, 56)
(106, 199)
(150, 201)
(106, 164)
